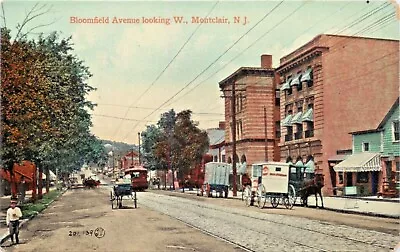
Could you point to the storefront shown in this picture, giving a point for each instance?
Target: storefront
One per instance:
(359, 174)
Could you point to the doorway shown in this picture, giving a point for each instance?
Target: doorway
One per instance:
(375, 181)
(349, 179)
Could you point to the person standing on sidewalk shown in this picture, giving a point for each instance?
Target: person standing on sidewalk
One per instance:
(12, 219)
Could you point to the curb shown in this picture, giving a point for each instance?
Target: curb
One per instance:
(330, 209)
(6, 236)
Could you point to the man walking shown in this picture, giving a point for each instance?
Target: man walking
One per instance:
(12, 220)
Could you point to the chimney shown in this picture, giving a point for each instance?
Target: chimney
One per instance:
(266, 61)
(221, 125)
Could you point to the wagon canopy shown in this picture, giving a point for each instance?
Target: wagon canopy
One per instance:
(360, 162)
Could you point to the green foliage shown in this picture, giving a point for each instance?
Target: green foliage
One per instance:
(175, 142)
(45, 115)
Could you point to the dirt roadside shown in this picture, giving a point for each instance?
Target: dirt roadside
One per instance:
(73, 221)
(385, 225)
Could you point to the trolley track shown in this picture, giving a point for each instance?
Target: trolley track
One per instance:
(242, 214)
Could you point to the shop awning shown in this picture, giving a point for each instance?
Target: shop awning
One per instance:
(287, 121)
(310, 166)
(297, 118)
(308, 116)
(307, 75)
(360, 162)
(286, 85)
(296, 80)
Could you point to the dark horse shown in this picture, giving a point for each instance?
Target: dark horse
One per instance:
(311, 187)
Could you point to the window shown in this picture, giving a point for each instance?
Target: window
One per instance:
(388, 165)
(362, 177)
(396, 131)
(299, 133)
(340, 177)
(398, 172)
(277, 98)
(240, 102)
(310, 82)
(277, 129)
(300, 86)
(223, 158)
(289, 91)
(310, 129)
(289, 135)
(365, 146)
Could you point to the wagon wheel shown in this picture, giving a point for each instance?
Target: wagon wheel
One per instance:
(120, 201)
(290, 200)
(112, 198)
(247, 195)
(261, 199)
(274, 201)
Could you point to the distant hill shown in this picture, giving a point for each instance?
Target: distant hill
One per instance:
(120, 147)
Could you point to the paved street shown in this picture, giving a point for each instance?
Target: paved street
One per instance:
(260, 231)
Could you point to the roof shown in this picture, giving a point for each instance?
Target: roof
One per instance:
(382, 123)
(360, 162)
(216, 136)
(338, 158)
(243, 70)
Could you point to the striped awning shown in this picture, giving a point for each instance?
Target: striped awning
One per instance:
(308, 116)
(310, 166)
(296, 80)
(297, 118)
(360, 162)
(286, 85)
(287, 121)
(307, 75)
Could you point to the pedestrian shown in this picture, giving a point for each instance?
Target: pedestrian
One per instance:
(12, 219)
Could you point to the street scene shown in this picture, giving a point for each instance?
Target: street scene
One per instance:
(200, 126)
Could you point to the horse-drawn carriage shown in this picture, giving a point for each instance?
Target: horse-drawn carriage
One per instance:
(119, 191)
(135, 179)
(91, 182)
(280, 183)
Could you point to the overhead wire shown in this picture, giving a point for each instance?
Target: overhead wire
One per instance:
(211, 64)
(165, 68)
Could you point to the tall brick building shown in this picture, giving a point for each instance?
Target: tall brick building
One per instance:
(329, 87)
(255, 98)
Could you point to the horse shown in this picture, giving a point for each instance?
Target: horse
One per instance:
(91, 183)
(311, 187)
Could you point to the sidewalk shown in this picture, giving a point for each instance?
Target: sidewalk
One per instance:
(4, 204)
(374, 207)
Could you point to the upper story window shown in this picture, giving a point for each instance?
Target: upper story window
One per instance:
(365, 146)
(308, 77)
(289, 89)
(396, 131)
(277, 98)
(300, 85)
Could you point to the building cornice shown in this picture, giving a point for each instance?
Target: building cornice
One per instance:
(311, 53)
(246, 71)
(249, 140)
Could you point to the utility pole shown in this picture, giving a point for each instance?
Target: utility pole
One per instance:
(233, 111)
(266, 138)
(139, 147)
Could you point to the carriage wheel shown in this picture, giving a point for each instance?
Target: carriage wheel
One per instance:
(120, 202)
(261, 199)
(290, 200)
(247, 195)
(226, 191)
(274, 201)
(112, 198)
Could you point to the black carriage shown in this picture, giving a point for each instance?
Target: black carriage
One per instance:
(118, 193)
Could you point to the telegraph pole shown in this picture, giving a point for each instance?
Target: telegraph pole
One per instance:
(139, 147)
(266, 139)
(233, 111)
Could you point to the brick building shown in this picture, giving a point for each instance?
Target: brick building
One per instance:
(129, 160)
(257, 113)
(331, 86)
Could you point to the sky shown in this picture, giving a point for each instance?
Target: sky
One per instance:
(154, 67)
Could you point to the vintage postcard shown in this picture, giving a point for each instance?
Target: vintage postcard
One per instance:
(200, 126)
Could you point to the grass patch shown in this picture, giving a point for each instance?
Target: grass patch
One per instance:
(30, 209)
